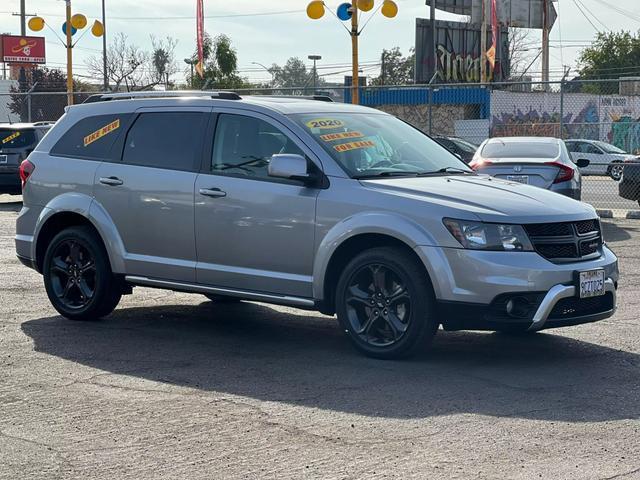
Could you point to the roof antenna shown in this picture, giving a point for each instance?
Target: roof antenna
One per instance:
(9, 117)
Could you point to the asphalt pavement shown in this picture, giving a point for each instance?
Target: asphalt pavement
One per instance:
(174, 386)
(602, 193)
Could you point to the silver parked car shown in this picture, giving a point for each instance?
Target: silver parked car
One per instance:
(604, 158)
(307, 203)
(540, 161)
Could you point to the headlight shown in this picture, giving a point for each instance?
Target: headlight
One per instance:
(489, 236)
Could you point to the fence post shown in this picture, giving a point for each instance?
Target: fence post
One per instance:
(561, 108)
(430, 108)
(29, 107)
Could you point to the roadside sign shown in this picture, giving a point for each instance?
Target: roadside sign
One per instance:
(23, 50)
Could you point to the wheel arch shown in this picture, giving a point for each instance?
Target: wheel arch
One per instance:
(75, 210)
(355, 235)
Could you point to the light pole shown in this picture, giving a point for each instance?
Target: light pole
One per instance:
(191, 62)
(104, 49)
(348, 11)
(315, 73)
(269, 71)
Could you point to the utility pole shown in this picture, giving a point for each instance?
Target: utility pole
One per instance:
(355, 81)
(483, 44)
(69, 55)
(545, 44)
(315, 73)
(432, 21)
(104, 49)
(23, 19)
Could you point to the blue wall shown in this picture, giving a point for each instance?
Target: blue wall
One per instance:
(372, 97)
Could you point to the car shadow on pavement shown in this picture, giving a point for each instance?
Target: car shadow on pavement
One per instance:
(258, 352)
(614, 232)
(10, 206)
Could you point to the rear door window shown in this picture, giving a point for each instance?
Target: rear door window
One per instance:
(92, 138)
(13, 138)
(171, 140)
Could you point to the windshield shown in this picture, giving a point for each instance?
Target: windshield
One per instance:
(12, 138)
(608, 148)
(500, 149)
(372, 145)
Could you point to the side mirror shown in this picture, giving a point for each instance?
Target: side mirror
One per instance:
(582, 162)
(290, 166)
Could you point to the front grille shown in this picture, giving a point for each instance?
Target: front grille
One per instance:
(566, 241)
(577, 307)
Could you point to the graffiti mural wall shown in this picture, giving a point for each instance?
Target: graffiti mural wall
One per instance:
(611, 118)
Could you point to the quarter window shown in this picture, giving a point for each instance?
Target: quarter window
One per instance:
(170, 140)
(92, 137)
(243, 146)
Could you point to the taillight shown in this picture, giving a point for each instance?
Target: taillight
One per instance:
(565, 172)
(26, 169)
(477, 163)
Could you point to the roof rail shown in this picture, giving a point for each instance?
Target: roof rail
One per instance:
(319, 98)
(43, 123)
(103, 97)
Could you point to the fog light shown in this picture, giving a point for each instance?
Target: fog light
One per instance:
(518, 307)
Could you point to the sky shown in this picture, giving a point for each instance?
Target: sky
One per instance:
(287, 31)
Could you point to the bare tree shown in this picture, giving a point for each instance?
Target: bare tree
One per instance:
(127, 65)
(520, 46)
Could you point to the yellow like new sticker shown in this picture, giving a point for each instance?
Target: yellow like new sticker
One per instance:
(13, 136)
(344, 147)
(92, 137)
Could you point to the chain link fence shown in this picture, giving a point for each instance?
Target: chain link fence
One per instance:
(598, 119)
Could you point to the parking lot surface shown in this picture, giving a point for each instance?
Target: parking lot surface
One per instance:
(173, 386)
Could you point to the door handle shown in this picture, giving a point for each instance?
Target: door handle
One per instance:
(113, 181)
(212, 192)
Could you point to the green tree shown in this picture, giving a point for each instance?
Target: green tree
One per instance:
(396, 69)
(612, 55)
(220, 65)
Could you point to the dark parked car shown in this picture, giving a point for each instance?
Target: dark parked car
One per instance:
(17, 141)
(629, 186)
(465, 150)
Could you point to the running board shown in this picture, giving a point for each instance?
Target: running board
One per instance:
(197, 288)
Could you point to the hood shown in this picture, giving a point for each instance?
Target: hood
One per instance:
(487, 198)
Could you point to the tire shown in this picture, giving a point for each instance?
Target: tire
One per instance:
(615, 170)
(222, 298)
(374, 293)
(78, 277)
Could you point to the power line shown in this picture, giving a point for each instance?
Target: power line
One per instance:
(585, 16)
(620, 10)
(188, 17)
(594, 16)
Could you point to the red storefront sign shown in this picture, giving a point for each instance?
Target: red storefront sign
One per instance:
(18, 49)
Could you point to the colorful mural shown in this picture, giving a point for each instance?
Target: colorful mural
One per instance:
(611, 118)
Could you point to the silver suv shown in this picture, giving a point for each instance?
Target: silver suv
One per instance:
(302, 202)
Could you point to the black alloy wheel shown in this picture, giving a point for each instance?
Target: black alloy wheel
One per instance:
(378, 305)
(386, 304)
(78, 277)
(73, 274)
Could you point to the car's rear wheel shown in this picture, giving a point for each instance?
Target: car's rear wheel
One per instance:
(222, 298)
(615, 170)
(78, 277)
(385, 303)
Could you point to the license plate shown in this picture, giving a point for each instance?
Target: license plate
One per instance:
(3, 159)
(591, 283)
(519, 178)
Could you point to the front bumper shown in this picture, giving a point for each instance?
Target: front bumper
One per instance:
(472, 288)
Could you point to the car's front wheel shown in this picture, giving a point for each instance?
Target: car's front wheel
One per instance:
(78, 277)
(615, 170)
(385, 303)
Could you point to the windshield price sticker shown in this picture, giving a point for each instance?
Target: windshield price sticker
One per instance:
(325, 123)
(344, 147)
(13, 136)
(92, 137)
(330, 137)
